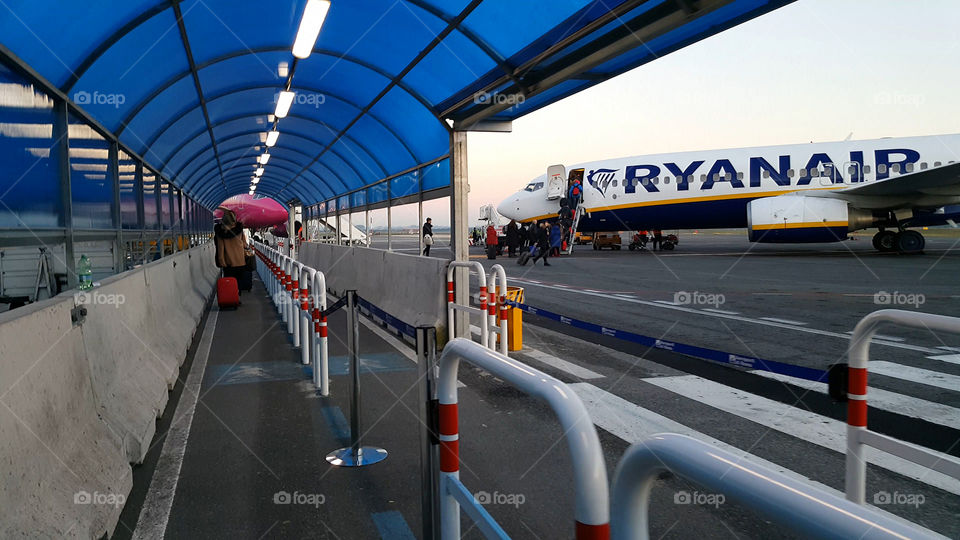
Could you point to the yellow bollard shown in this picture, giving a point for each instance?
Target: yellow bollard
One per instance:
(514, 320)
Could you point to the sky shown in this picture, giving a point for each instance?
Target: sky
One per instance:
(815, 70)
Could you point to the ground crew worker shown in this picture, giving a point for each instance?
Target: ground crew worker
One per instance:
(657, 239)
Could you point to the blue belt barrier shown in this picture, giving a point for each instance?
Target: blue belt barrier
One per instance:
(388, 318)
(747, 362)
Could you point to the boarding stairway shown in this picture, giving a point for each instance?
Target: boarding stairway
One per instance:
(573, 228)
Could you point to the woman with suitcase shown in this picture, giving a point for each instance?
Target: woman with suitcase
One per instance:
(230, 257)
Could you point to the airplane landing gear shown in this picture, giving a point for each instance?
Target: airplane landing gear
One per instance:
(910, 242)
(885, 241)
(906, 242)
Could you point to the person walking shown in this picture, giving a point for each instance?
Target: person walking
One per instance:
(543, 243)
(513, 238)
(556, 239)
(427, 237)
(229, 243)
(492, 242)
(533, 233)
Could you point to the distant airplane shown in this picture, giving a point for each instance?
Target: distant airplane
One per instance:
(253, 211)
(781, 194)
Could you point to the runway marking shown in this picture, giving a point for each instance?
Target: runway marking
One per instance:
(886, 400)
(917, 375)
(949, 358)
(741, 318)
(954, 349)
(888, 338)
(805, 425)
(155, 512)
(625, 295)
(668, 303)
(634, 424)
(784, 321)
(772, 294)
(712, 310)
(579, 372)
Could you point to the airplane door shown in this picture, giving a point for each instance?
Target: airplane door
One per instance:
(556, 182)
(852, 172)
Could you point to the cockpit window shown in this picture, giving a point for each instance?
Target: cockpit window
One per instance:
(533, 186)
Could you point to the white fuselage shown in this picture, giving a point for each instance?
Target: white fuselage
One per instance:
(711, 189)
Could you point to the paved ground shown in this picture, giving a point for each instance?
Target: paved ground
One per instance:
(260, 430)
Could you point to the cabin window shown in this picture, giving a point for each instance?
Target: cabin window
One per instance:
(533, 186)
(852, 170)
(739, 176)
(803, 173)
(923, 166)
(691, 179)
(866, 169)
(716, 177)
(656, 180)
(909, 167)
(936, 163)
(828, 169)
(666, 180)
(645, 181)
(766, 173)
(614, 183)
(881, 168)
(703, 178)
(790, 173)
(895, 168)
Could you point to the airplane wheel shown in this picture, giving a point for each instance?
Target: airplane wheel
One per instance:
(910, 242)
(885, 241)
(667, 246)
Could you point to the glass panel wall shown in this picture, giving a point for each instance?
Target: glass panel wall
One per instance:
(91, 185)
(129, 195)
(150, 218)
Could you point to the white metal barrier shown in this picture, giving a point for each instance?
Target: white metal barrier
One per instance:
(496, 307)
(803, 508)
(453, 306)
(300, 294)
(589, 470)
(857, 433)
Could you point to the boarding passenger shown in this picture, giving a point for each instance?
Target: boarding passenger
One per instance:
(657, 239)
(556, 239)
(513, 238)
(543, 243)
(229, 244)
(533, 233)
(574, 193)
(427, 237)
(492, 242)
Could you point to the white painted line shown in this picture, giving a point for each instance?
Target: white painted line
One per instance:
(686, 309)
(953, 349)
(668, 303)
(796, 422)
(635, 424)
(949, 358)
(886, 400)
(784, 321)
(563, 365)
(772, 294)
(917, 375)
(887, 338)
(624, 295)
(723, 312)
(155, 512)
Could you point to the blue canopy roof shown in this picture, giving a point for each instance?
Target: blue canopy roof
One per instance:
(190, 85)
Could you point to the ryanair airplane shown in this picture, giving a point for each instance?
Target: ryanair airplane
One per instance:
(789, 194)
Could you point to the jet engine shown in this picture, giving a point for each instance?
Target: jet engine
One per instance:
(799, 219)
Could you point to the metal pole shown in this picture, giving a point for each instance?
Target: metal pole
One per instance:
(356, 455)
(389, 219)
(458, 226)
(61, 137)
(429, 440)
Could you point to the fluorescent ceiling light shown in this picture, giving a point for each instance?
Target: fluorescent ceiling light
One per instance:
(264, 159)
(284, 100)
(283, 69)
(313, 17)
(259, 171)
(256, 180)
(272, 138)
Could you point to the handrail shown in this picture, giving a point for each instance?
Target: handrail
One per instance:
(453, 306)
(590, 474)
(805, 509)
(858, 435)
(497, 305)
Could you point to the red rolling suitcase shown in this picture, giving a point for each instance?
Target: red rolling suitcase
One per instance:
(228, 294)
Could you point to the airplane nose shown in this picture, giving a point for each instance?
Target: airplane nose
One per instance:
(508, 208)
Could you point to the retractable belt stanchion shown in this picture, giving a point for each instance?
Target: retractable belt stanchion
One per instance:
(307, 338)
(356, 455)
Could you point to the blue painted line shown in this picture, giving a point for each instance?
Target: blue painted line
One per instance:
(746, 362)
(337, 423)
(253, 372)
(392, 526)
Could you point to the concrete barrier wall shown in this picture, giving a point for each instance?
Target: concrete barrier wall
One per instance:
(408, 287)
(78, 403)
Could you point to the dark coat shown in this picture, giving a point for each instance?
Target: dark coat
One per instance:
(513, 235)
(543, 238)
(428, 229)
(533, 232)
